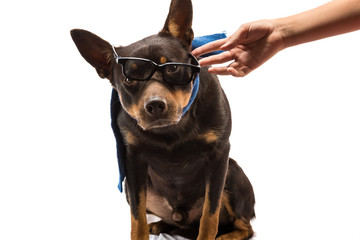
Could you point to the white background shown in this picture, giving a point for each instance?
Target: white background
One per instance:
(295, 132)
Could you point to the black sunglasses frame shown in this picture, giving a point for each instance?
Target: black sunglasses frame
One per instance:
(195, 69)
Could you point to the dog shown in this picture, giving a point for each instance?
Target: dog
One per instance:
(176, 152)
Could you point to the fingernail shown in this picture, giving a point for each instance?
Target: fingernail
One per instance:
(201, 63)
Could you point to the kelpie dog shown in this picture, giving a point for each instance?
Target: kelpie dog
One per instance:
(176, 155)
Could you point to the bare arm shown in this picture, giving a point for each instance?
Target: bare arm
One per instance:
(333, 18)
(256, 42)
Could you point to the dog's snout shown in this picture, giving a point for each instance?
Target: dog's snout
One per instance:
(155, 107)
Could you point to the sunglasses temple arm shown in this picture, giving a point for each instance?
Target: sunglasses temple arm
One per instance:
(115, 54)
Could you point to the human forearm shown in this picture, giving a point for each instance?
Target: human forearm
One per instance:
(333, 18)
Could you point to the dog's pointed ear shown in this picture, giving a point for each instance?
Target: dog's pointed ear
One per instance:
(95, 50)
(179, 21)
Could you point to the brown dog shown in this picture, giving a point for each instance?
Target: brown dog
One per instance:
(176, 154)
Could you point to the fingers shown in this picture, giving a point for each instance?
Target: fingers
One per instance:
(209, 47)
(237, 38)
(216, 59)
(219, 70)
(224, 44)
(237, 68)
(235, 72)
(242, 72)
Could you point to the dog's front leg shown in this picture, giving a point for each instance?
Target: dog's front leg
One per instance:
(136, 177)
(215, 181)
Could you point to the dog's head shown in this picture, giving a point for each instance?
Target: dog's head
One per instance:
(154, 77)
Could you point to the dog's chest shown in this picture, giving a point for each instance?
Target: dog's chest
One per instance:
(178, 180)
(176, 212)
(176, 188)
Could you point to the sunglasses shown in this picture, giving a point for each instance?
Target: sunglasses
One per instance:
(141, 69)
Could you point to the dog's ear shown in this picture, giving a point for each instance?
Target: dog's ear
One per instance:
(95, 50)
(179, 21)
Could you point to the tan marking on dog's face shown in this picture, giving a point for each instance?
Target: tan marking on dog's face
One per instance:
(133, 110)
(182, 98)
(129, 138)
(163, 60)
(155, 89)
(209, 136)
(139, 227)
(175, 101)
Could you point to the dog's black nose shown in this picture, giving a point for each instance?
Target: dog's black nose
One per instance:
(155, 107)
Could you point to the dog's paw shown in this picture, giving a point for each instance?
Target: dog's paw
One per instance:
(159, 227)
(236, 235)
(227, 237)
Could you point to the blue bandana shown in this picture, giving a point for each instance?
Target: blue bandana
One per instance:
(116, 108)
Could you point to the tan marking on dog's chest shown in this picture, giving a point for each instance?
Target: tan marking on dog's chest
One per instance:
(209, 136)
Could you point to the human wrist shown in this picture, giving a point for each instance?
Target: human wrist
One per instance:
(286, 30)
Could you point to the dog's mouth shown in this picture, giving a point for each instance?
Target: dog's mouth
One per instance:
(147, 122)
(159, 123)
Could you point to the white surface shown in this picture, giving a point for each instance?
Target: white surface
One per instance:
(166, 237)
(296, 129)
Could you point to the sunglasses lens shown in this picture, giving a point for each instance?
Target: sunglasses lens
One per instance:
(138, 69)
(177, 74)
(142, 70)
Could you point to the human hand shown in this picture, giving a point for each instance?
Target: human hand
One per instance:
(249, 47)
